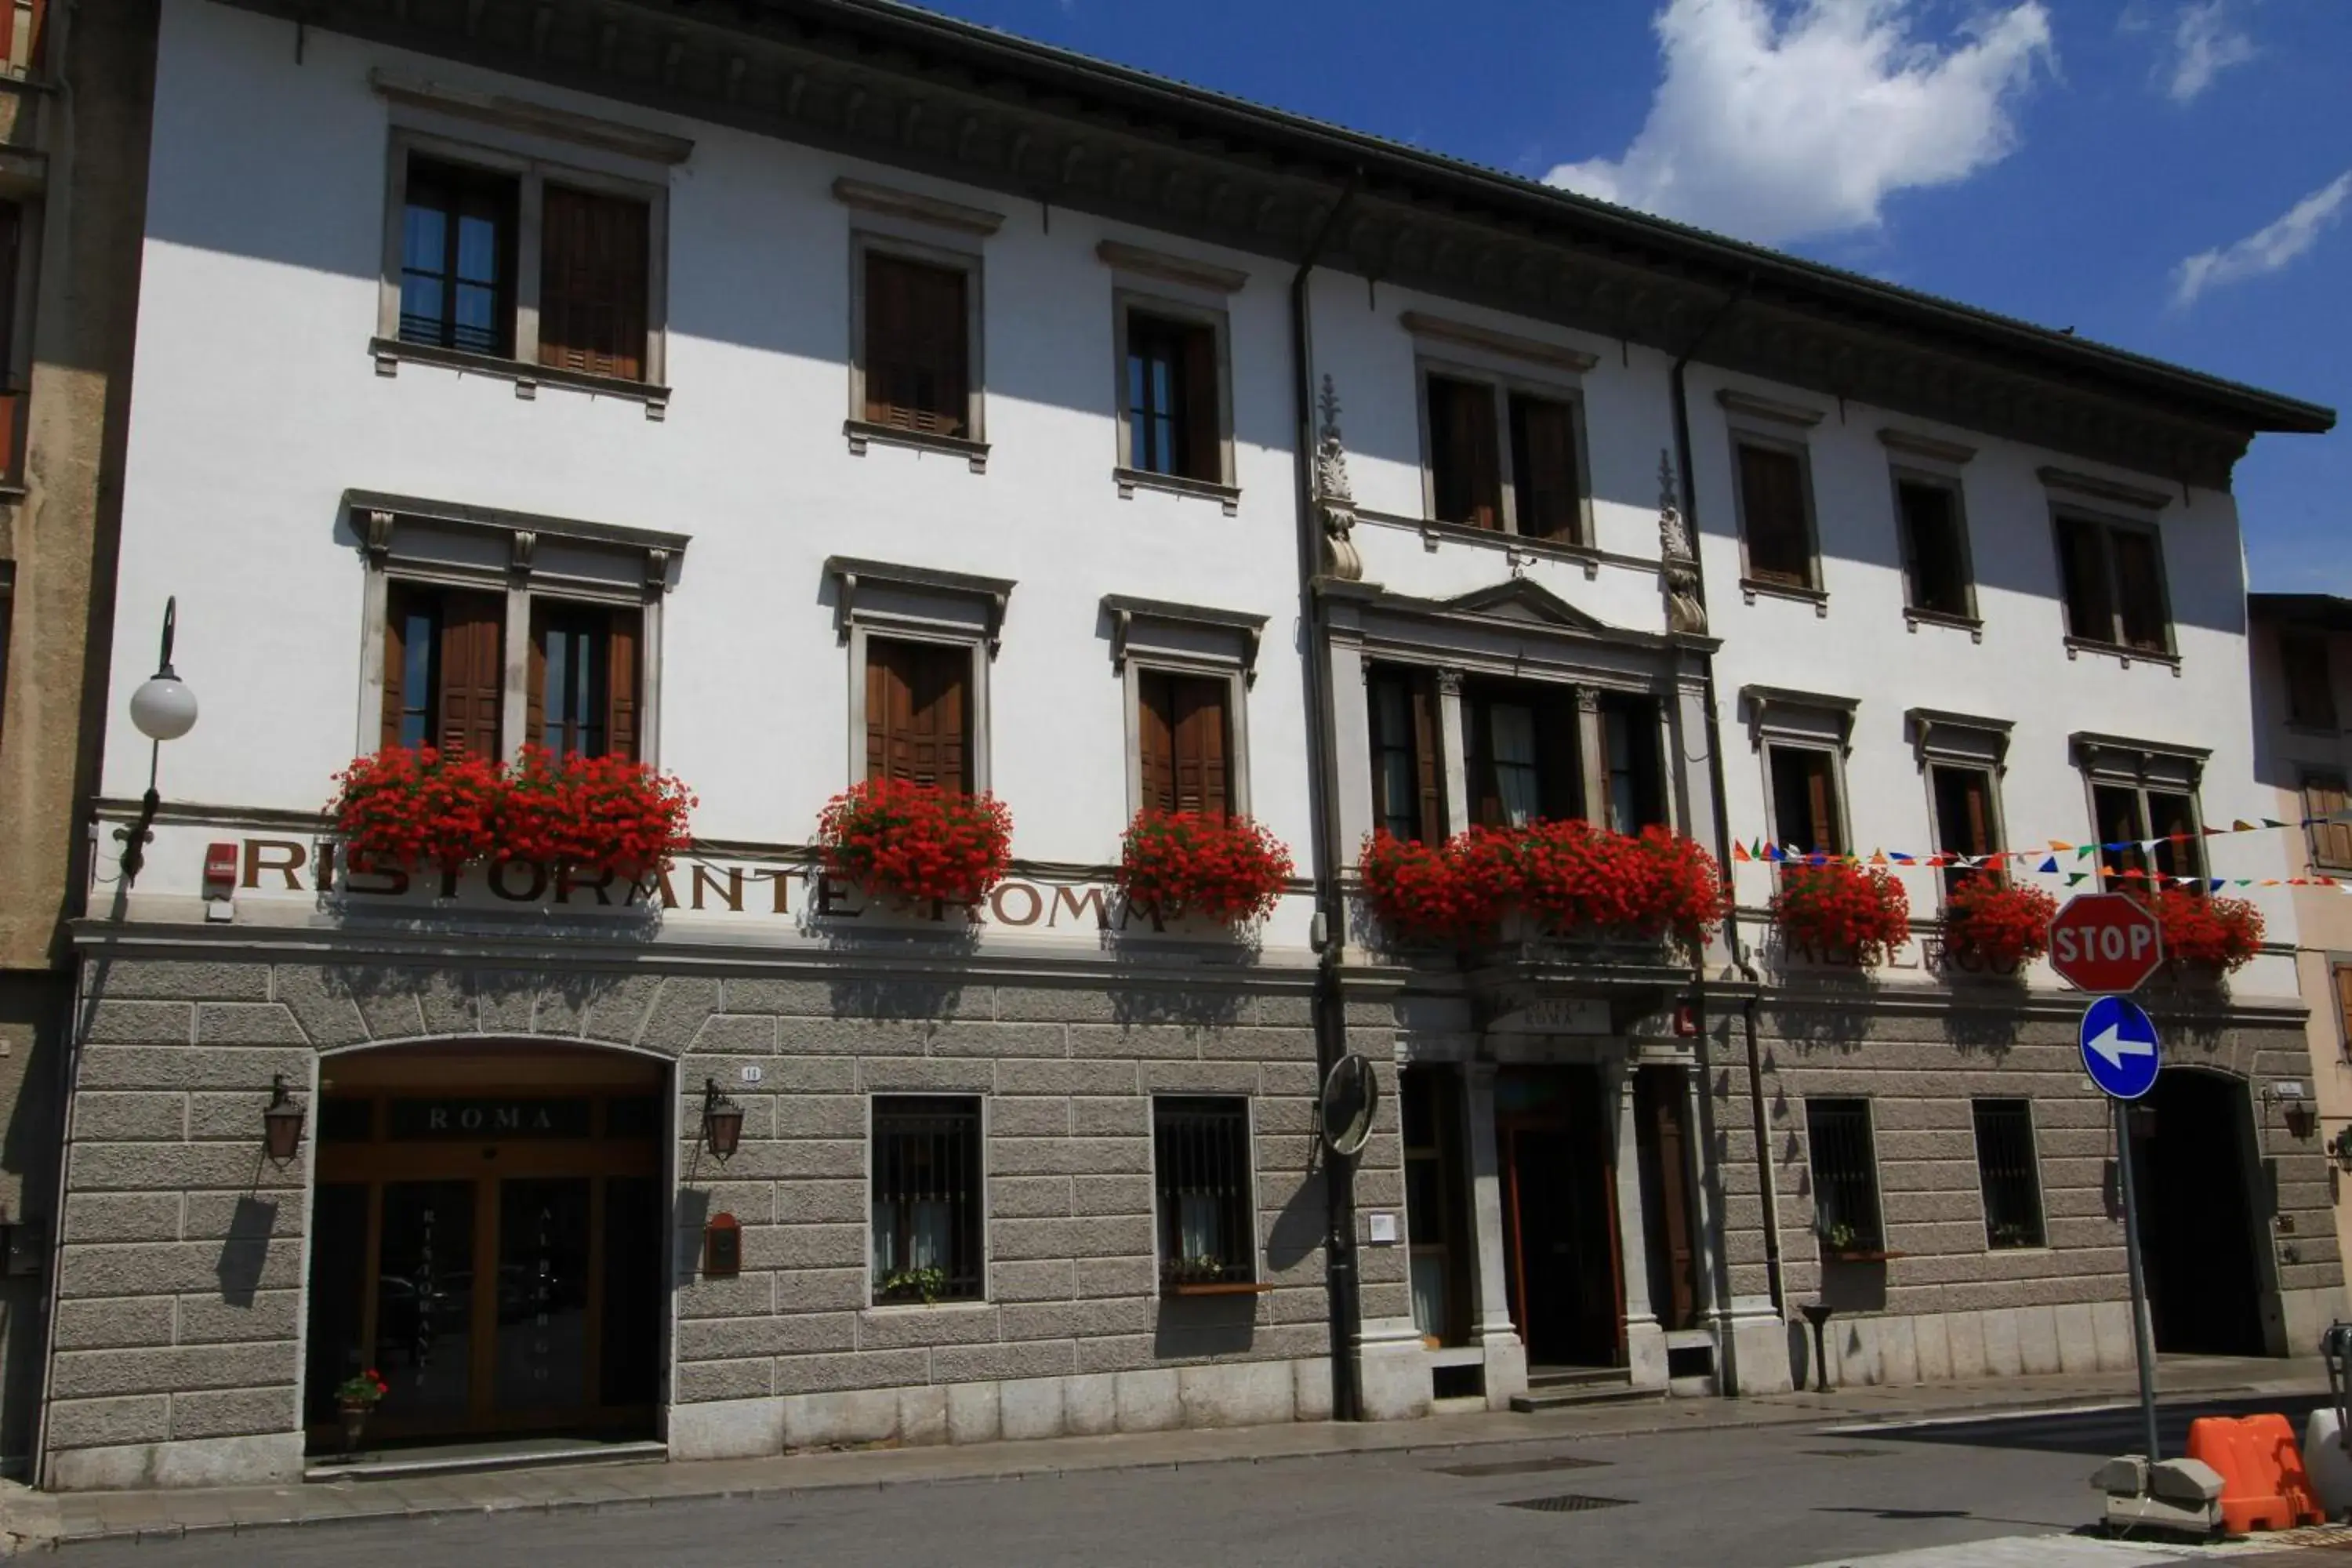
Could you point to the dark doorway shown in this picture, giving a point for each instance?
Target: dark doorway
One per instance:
(1662, 1119)
(2196, 1219)
(1559, 1196)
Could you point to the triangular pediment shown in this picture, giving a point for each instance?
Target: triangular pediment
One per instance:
(1528, 603)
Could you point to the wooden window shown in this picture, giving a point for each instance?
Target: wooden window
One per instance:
(594, 255)
(444, 670)
(918, 713)
(457, 258)
(2008, 1173)
(1544, 494)
(918, 344)
(1805, 815)
(1464, 465)
(1965, 820)
(1935, 558)
(1772, 515)
(927, 1202)
(2331, 842)
(2310, 693)
(1845, 1175)
(583, 694)
(1408, 784)
(1629, 735)
(1522, 754)
(1172, 426)
(1184, 743)
(2343, 1007)
(1201, 1179)
(2113, 576)
(2129, 817)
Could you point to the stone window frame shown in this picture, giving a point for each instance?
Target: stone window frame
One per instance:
(1791, 721)
(534, 145)
(2120, 762)
(984, 1104)
(935, 233)
(1753, 421)
(526, 558)
(1505, 363)
(2111, 506)
(1258, 1238)
(919, 604)
(1159, 292)
(1184, 639)
(1916, 459)
(1959, 741)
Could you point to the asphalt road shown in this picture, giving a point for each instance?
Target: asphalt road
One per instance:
(1776, 1498)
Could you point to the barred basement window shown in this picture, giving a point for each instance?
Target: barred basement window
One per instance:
(1201, 1164)
(2007, 1170)
(1845, 1175)
(927, 1200)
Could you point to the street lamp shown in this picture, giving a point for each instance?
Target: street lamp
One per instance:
(722, 1121)
(163, 708)
(281, 1123)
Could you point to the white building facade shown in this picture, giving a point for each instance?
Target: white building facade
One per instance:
(854, 394)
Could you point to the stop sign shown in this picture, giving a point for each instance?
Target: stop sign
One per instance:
(2104, 942)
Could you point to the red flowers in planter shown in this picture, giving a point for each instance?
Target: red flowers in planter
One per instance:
(593, 813)
(1227, 868)
(1572, 879)
(2223, 934)
(1835, 908)
(414, 806)
(1998, 924)
(916, 842)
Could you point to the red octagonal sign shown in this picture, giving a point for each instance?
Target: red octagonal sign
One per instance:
(2104, 942)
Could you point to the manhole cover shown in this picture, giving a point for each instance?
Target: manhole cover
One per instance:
(1851, 1453)
(1571, 1502)
(1522, 1467)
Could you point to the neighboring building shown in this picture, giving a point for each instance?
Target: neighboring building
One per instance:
(74, 84)
(2302, 648)
(847, 391)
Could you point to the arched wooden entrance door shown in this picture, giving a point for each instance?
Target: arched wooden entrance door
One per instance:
(2191, 1159)
(487, 1233)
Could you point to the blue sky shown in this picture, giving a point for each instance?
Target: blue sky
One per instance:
(2171, 177)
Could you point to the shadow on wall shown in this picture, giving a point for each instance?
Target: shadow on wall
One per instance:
(245, 1251)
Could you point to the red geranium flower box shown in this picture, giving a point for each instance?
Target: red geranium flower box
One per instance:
(2000, 925)
(1223, 869)
(1833, 908)
(406, 808)
(1570, 878)
(915, 843)
(2199, 932)
(592, 814)
(1422, 892)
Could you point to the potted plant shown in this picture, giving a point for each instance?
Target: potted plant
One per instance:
(355, 1399)
(927, 1284)
(592, 814)
(1996, 925)
(1223, 869)
(1431, 892)
(1835, 910)
(2208, 936)
(914, 843)
(408, 808)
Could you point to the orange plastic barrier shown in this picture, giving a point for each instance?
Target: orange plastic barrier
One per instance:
(2264, 1484)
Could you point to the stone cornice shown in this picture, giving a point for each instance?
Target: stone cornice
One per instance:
(902, 88)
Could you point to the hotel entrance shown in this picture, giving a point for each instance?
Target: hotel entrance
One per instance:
(487, 1235)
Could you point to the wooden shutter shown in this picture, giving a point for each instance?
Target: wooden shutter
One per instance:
(473, 673)
(1464, 465)
(2344, 1006)
(1203, 456)
(916, 342)
(534, 722)
(622, 670)
(2331, 842)
(916, 713)
(1544, 467)
(1560, 777)
(1429, 758)
(2139, 587)
(593, 283)
(1772, 511)
(1820, 805)
(1155, 710)
(396, 662)
(2083, 567)
(1203, 773)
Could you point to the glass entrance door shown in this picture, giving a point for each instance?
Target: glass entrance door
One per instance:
(425, 1301)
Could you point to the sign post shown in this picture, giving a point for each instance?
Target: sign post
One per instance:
(2107, 943)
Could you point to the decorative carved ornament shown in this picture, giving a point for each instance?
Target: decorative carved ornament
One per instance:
(1685, 610)
(1335, 497)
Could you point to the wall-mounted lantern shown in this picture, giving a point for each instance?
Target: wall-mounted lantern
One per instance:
(2302, 1118)
(723, 1122)
(281, 1123)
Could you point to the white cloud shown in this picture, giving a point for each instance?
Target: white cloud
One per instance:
(2207, 43)
(1777, 127)
(2268, 249)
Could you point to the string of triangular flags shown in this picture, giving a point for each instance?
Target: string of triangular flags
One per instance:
(2050, 858)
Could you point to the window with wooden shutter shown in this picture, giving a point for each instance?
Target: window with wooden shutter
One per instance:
(1408, 796)
(917, 340)
(1464, 464)
(2331, 842)
(457, 258)
(444, 670)
(1936, 571)
(918, 713)
(2343, 1007)
(1772, 515)
(1629, 732)
(1172, 423)
(1184, 743)
(585, 678)
(2082, 570)
(1805, 816)
(2139, 589)
(1545, 491)
(1964, 820)
(594, 251)
(2310, 688)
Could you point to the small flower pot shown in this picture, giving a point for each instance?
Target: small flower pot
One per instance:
(354, 1413)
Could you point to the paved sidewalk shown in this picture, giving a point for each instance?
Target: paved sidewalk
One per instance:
(33, 1520)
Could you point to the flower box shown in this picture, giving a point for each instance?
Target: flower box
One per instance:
(1566, 880)
(407, 808)
(412, 807)
(2217, 936)
(1216, 870)
(916, 844)
(1837, 908)
(1998, 926)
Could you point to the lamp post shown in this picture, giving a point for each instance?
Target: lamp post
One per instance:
(163, 708)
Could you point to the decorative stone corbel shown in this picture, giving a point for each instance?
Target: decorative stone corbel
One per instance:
(526, 545)
(656, 573)
(1334, 498)
(379, 536)
(1686, 612)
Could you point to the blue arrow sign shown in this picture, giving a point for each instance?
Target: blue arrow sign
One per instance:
(2120, 1050)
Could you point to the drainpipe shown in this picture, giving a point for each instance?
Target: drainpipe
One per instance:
(1330, 1007)
(1762, 1129)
